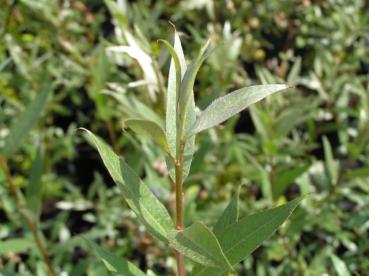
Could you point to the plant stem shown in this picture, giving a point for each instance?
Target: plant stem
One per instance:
(179, 204)
(31, 224)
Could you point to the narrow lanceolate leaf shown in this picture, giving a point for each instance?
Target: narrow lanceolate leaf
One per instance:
(331, 164)
(23, 124)
(113, 263)
(186, 89)
(225, 107)
(34, 186)
(198, 243)
(240, 239)
(150, 129)
(229, 216)
(142, 201)
(171, 110)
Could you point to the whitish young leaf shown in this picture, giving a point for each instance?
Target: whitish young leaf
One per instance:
(171, 110)
(142, 201)
(113, 263)
(150, 129)
(15, 245)
(240, 239)
(23, 124)
(340, 266)
(331, 164)
(198, 243)
(225, 107)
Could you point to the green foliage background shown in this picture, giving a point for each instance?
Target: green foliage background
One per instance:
(312, 139)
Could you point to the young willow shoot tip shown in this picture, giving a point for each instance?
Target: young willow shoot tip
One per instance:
(215, 251)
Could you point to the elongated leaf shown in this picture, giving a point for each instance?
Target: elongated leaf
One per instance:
(25, 122)
(15, 245)
(198, 243)
(240, 239)
(114, 264)
(149, 129)
(225, 107)
(171, 111)
(34, 186)
(331, 164)
(186, 89)
(142, 201)
(229, 216)
(340, 266)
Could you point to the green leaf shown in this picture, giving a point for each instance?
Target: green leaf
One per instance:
(15, 245)
(171, 112)
(229, 216)
(286, 178)
(186, 89)
(240, 239)
(332, 165)
(25, 122)
(340, 266)
(142, 201)
(114, 264)
(34, 187)
(150, 129)
(225, 107)
(198, 243)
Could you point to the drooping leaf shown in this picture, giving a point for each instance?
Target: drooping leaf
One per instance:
(142, 201)
(149, 129)
(240, 239)
(15, 245)
(34, 185)
(229, 216)
(225, 107)
(25, 122)
(332, 165)
(113, 263)
(198, 243)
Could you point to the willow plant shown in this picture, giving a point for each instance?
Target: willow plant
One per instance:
(216, 250)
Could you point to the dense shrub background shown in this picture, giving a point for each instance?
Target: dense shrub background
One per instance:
(275, 148)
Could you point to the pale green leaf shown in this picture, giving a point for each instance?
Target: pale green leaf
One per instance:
(24, 123)
(198, 243)
(142, 201)
(150, 129)
(34, 186)
(113, 263)
(171, 111)
(340, 266)
(240, 239)
(332, 165)
(15, 245)
(225, 107)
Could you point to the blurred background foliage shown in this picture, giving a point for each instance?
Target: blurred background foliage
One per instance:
(102, 61)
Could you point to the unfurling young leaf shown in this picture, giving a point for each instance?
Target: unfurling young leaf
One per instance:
(114, 264)
(142, 201)
(332, 165)
(225, 107)
(198, 243)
